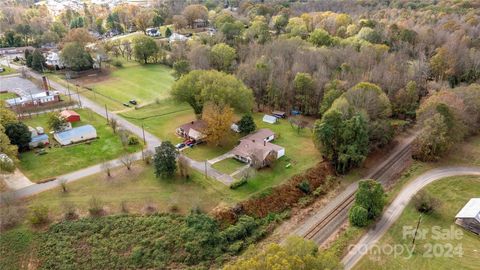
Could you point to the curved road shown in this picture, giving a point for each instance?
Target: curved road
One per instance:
(395, 209)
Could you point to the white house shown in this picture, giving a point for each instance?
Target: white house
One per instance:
(53, 60)
(469, 216)
(177, 37)
(34, 99)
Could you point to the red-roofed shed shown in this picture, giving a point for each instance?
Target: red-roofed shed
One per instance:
(70, 116)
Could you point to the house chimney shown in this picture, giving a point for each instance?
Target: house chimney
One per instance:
(45, 84)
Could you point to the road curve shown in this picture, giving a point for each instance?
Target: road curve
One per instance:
(395, 209)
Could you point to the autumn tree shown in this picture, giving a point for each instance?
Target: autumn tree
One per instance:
(406, 101)
(56, 122)
(320, 37)
(78, 35)
(222, 56)
(195, 12)
(179, 22)
(258, 31)
(333, 90)
(202, 86)
(6, 147)
(297, 253)
(144, 48)
(180, 68)
(144, 19)
(304, 85)
(433, 140)
(218, 118)
(76, 57)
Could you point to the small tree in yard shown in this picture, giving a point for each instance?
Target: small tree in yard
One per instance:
(181, 67)
(37, 60)
(219, 120)
(165, 160)
(425, 202)
(183, 167)
(127, 160)
(62, 182)
(144, 48)
(106, 167)
(113, 124)
(70, 212)
(246, 124)
(18, 134)
(38, 215)
(56, 122)
(95, 207)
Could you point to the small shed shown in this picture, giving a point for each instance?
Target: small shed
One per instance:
(70, 116)
(269, 119)
(279, 114)
(469, 216)
(74, 135)
(39, 140)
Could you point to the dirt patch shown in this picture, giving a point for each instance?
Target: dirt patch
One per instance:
(93, 78)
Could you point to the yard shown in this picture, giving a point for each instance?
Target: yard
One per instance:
(229, 165)
(137, 188)
(7, 95)
(7, 70)
(144, 83)
(454, 193)
(62, 160)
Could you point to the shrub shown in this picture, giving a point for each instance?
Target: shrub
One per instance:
(133, 140)
(70, 211)
(425, 203)
(123, 207)
(117, 63)
(11, 216)
(38, 215)
(358, 216)
(238, 183)
(304, 186)
(95, 207)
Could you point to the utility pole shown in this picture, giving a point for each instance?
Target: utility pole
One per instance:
(206, 171)
(143, 133)
(78, 95)
(416, 229)
(68, 90)
(106, 113)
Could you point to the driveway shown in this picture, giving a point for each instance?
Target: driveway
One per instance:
(396, 208)
(16, 180)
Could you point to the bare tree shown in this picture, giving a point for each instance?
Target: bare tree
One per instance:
(62, 182)
(127, 160)
(106, 167)
(113, 124)
(147, 156)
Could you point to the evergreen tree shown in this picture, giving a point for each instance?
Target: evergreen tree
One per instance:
(165, 160)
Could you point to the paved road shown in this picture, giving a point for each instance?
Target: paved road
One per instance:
(151, 141)
(395, 209)
(322, 214)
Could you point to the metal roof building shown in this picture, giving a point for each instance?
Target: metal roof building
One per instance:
(77, 134)
(469, 216)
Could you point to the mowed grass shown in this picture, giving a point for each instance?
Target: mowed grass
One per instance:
(454, 193)
(7, 70)
(144, 83)
(62, 160)
(229, 165)
(7, 95)
(137, 188)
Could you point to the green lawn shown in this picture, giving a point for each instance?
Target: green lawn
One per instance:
(454, 193)
(137, 188)
(228, 166)
(7, 70)
(7, 95)
(61, 160)
(144, 83)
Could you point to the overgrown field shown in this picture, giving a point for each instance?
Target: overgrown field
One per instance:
(157, 241)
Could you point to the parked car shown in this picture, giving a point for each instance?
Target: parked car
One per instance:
(133, 102)
(180, 145)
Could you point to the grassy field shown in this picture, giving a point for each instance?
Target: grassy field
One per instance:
(137, 188)
(454, 193)
(144, 83)
(228, 166)
(7, 95)
(7, 70)
(61, 160)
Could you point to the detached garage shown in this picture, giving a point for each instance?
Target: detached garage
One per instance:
(75, 135)
(70, 116)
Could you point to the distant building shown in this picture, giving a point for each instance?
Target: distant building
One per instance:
(53, 61)
(75, 135)
(175, 37)
(42, 98)
(153, 32)
(70, 116)
(200, 23)
(469, 216)
(192, 130)
(256, 147)
(38, 137)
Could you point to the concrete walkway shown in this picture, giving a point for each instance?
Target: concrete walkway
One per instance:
(16, 180)
(220, 158)
(396, 208)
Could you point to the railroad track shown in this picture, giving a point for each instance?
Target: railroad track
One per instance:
(343, 206)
